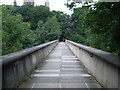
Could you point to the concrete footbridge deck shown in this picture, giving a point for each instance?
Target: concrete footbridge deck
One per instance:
(61, 69)
(60, 65)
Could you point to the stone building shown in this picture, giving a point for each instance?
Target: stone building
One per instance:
(30, 2)
(15, 3)
(46, 3)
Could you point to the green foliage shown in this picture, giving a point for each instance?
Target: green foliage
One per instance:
(16, 34)
(65, 25)
(0, 30)
(49, 30)
(26, 26)
(97, 25)
(39, 13)
(103, 23)
(33, 14)
(24, 11)
(71, 5)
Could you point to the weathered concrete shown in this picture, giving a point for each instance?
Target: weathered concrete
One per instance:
(102, 65)
(17, 66)
(61, 69)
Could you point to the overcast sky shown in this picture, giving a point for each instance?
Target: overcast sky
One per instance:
(57, 5)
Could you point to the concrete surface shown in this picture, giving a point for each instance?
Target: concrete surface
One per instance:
(105, 71)
(61, 69)
(16, 67)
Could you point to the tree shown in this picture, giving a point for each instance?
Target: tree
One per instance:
(104, 23)
(65, 25)
(97, 25)
(48, 31)
(17, 22)
(16, 34)
(39, 13)
(24, 11)
(33, 14)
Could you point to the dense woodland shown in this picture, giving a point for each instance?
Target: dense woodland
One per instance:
(95, 25)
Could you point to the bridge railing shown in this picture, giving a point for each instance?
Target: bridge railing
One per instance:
(102, 65)
(17, 66)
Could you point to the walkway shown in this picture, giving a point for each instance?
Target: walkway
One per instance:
(61, 69)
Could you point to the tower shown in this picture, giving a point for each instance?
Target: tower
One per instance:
(30, 2)
(15, 3)
(46, 3)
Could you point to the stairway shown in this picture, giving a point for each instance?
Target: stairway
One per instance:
(61, 69)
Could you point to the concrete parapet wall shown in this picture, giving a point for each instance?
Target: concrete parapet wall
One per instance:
(17, 66)
(104, 66)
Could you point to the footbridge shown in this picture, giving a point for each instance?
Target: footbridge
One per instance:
(60, 65)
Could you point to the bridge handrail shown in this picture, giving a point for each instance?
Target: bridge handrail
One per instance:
(113, 59)
(19, 54)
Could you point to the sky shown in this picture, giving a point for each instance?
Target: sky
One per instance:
(57, 5)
